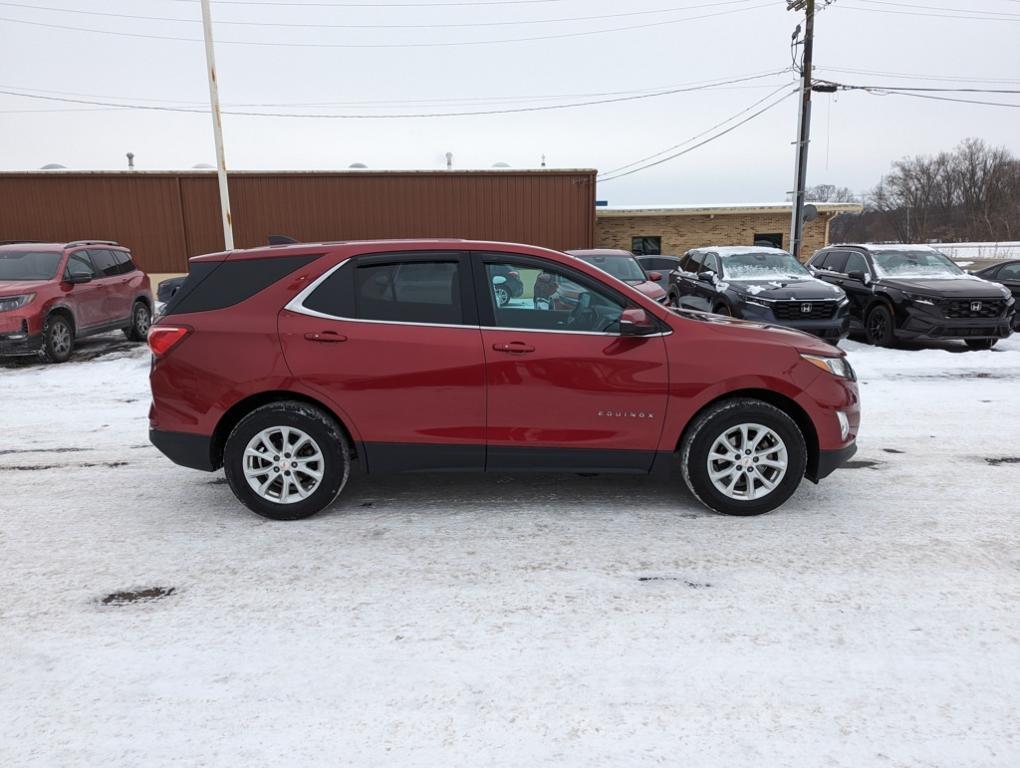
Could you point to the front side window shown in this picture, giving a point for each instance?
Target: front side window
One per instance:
(712, 264)
(29, 265)
(1009, 272)
(855, 262)
(646, 245)
(932, 264)
(79, 264)
(530, 297)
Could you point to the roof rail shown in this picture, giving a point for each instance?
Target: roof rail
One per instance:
(19, 242)
(93, 242)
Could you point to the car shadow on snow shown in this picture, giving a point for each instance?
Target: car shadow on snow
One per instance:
(103, 346)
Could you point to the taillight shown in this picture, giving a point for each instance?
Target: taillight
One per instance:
(163, 338)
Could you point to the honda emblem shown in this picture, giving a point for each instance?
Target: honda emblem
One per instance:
(805, 308)
(975, 306)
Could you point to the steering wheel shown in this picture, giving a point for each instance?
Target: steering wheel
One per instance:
(582, 315)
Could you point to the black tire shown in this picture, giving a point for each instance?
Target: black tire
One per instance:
(714, 422)
(318, 425)
(980, 344)
(723, 309)
(673, 300)
(58, 339)
(879, 326)
(141, 319)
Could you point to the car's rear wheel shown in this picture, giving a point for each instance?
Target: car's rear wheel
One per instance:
(978, 344)
(723, 309)
(502, 295)
(58, 339)
(287, 460)
(743, 457)
(141, 319)
(879, 326)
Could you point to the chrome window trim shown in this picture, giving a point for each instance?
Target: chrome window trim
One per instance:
(297, 306)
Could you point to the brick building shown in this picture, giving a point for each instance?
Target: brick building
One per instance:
(673, 229)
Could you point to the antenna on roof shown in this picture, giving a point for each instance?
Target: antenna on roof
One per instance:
(282, 240)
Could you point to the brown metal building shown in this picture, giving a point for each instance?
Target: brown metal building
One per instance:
(165, 218)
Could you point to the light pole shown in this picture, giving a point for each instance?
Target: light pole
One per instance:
(214, 104)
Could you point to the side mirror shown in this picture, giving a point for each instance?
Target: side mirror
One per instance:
(78, 278)
(636, 322)
(706, 277)
(655, 276)
(860, 277)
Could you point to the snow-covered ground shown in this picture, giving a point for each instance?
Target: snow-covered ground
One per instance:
(513, 621)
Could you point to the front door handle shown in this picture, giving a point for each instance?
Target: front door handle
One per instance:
(514, 347)
(326, 337)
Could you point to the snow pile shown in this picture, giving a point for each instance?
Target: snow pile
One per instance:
(147, 619)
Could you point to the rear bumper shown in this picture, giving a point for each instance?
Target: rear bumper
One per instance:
(830, 461)
(188, 450)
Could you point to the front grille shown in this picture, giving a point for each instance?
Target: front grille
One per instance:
(973, 308)
(803, 310)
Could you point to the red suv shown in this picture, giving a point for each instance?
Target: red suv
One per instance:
(53, 293)
(286, 364)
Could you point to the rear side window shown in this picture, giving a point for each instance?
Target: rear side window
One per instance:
(124, 263)
(409, 290)
(104, 262)
(214, 285)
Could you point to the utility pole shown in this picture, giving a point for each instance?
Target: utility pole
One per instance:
(214, 104)
(803, 124)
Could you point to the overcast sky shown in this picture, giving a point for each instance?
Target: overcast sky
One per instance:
(855, 137)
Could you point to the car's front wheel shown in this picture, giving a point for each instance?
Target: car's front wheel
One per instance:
(141, 319)
(58, 339)
(287, 460)
(879, 326)
(743, 457)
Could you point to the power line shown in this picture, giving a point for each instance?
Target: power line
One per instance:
(916, 76)
(472, 113)
(696, 136)
(693, 85)
(928, 15)
(975, 11)
(876, 88)
(946, 98)
(701, 143)
(378, 5)
(457, 25)
(560, 36)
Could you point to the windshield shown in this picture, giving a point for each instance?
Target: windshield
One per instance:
(762, 266)
(28, 265)
(914, 264)
(621, 267)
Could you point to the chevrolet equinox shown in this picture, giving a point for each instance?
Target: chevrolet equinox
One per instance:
(287, 364)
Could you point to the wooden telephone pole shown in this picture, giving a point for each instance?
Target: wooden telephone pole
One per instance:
(803, 124)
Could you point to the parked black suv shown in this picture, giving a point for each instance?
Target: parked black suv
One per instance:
(915, 292)
(765, 285)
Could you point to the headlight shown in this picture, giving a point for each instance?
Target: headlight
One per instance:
(918, 299)
(837, 366)
(758, 302)
(7, 303)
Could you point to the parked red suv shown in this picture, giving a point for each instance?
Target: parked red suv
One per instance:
(286, 364)
(53, 293)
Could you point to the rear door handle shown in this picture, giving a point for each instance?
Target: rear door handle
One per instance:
(326, 337)
(514, 347)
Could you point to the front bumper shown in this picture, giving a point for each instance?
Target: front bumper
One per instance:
(919, 324)
(19, 343)
(831, 330)
(830, 461)
(184, 448)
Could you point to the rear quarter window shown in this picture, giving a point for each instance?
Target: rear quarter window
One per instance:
(212, 285)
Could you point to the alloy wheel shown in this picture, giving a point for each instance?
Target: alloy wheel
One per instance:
(60, 338)
(283, 465)
(142, 320)
(747, 462)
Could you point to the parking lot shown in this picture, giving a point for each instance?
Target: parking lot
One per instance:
(148, 619)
